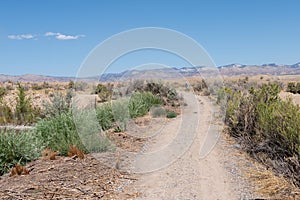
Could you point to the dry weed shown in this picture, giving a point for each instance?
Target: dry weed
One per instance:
(75, 151)
(19, 170)
(270, 185)
(49, 154)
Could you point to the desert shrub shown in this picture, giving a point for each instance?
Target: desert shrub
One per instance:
(164, 91)
(105, 116)
(199, 86)
(24, 112)
(120, 111)
(268, 128)
(18, 148)
(71, 85)
(223, 94)
(3, 92)
(60, 131)
(6, 114)
(141, 102)
(10, 87)
(104, 91)
(80, 86)
(293, 87)
(36, 86)
(90, 133)
(59, 103)
(171, 114)
(46, 85)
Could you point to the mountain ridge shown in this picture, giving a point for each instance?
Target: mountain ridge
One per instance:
(234, 69)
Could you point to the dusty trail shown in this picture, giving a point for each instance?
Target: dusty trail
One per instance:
(189, 177)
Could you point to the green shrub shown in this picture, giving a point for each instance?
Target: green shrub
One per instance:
(293, 87)
(141, 102)
(60, 131)
(171, 114)
(268, 126)
(121, 112)
(18, 148)
(105, 116)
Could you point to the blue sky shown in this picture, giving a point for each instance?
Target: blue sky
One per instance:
(53, 37)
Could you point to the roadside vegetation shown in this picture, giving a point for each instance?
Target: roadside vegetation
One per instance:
(58, 126)
(266, 126)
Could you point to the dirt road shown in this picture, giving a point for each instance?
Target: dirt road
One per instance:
(190, 176)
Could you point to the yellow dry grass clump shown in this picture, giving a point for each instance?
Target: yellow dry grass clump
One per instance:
(272, 186)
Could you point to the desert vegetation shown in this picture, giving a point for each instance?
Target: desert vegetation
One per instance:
(266, 126)
(60, 129)
(293, 87)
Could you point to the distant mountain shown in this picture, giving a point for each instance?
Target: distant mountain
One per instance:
(41, 78)
(33, 78)
(231, 65)
(167, 73)
(271, 69)
(297, 65)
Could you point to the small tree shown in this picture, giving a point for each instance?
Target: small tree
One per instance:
(24, 111)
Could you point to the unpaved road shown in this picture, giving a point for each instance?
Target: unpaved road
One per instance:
(189, 176)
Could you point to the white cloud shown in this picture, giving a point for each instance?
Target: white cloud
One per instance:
(61, 36)
(20, 37)
(58, 36)
(50, 34)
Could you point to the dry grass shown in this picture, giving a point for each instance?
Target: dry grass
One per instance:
(75, 151)
(49, 154)
(272, 186)
(19, 170)
(263, 181)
